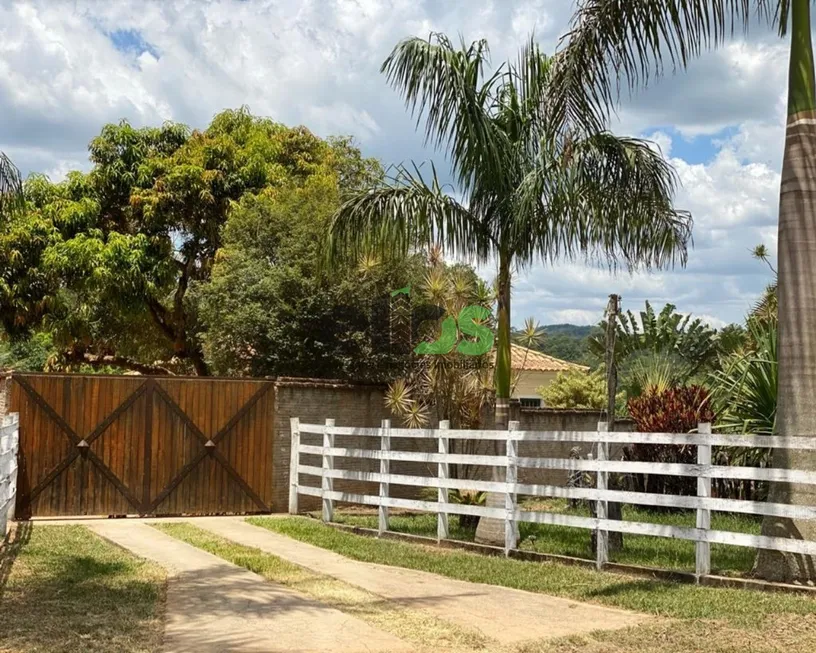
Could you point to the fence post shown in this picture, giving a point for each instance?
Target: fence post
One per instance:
(510, 479)
(385, 470)
(703, 549)
(327, 483)
(442, 474)
(602, 478)
(294, 461)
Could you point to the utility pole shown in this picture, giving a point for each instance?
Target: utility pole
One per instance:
(612, 312)
(614, 509)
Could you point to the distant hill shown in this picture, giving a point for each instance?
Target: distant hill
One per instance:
(572, 330)
(568, 342)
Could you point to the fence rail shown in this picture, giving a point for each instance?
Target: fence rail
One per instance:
(9, 443)
(601, 466)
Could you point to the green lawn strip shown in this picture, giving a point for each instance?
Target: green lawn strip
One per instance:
(643, 595)
(417, 626)
(659, 552)
(770, 634)
(64, 589)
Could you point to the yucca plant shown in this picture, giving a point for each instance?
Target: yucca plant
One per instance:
(745, 398)
(462, 498)
(745, 389)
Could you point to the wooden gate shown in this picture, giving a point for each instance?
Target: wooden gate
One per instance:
(117, 445)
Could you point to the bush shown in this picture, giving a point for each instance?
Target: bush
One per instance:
(575, 389)
(676, 410)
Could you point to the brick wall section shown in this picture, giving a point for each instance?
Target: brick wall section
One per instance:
(348, 405)
(363, 405)
(553, 419)
(5, 393)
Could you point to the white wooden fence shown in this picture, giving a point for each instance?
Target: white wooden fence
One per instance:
(9, 442)
(601, 466)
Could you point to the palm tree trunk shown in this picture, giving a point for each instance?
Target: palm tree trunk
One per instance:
(491, 531)
(796, 414)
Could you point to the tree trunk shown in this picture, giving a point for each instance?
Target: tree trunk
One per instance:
(796, 408)
(491, 531)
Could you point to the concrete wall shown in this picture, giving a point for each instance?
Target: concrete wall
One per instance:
(363, 405)
(530, 380)
(557, 419)
(349, 405)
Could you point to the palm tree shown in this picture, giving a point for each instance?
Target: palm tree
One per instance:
(603, 197)
(11, 187)
(630, 40)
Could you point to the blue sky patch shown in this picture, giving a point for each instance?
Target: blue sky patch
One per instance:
(131, 41)
(699, 149)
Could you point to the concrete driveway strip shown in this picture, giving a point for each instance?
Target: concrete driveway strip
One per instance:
(507, 615)
(214, 606)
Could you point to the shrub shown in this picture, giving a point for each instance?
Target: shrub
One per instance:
(575, 389)
(676, 410)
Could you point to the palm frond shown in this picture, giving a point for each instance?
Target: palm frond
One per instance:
(11, 187)
(612, 43)
(445, 86)
(607, 198)
(403, 213)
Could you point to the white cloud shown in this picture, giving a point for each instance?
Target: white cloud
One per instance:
(712, 321)
(316, 62)
(576, 316)
(661, 142)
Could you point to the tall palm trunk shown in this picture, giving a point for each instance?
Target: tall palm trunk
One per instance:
(491, 531)
(796, 413)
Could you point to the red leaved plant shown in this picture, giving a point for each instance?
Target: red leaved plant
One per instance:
(676, 410)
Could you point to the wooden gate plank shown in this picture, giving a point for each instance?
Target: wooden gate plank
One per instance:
(150, 389)
(149, 436)
(191, 465)
(81, 446)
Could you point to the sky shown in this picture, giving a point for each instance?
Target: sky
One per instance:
(67, 67)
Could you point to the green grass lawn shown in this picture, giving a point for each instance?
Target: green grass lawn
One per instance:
(693, 619)
(644, 595)
(63, 589)
(659, 552)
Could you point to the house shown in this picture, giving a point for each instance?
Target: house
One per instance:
(532, 369)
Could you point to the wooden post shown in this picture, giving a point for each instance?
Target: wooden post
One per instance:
(327, 483)
(294, 461)
(602, 538)
(510, 478)
(703, 549)
(442, 473)
(385, 469)
(612, 311)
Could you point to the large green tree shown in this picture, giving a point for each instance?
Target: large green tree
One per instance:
(104, 261)
(269, 311)
(521, 195)
(631, 40)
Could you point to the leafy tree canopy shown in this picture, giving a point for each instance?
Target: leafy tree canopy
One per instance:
(268, 310)
(104, 261)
